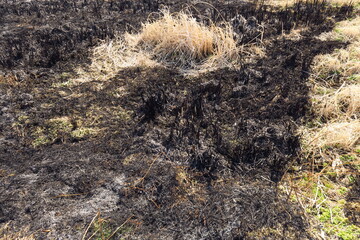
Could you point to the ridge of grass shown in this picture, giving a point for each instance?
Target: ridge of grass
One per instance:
(331, 141)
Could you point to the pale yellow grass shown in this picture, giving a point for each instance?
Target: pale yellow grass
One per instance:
(174, 40)
(181, 40)
(283, 3)
(338, 106)
(7, 234)
(345, 62)
(342, 62)
(343, 103)
(110, 57)
(350, 30)
(341, 135)
(342, 2)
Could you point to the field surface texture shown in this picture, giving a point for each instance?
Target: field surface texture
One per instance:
(161, 149)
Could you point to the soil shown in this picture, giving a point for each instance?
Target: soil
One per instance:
(184, 158)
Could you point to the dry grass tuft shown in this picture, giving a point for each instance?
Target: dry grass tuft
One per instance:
(7, 234)
(338, 106)
(180, 40)
(335, 133)
(343, 103)
(174, 40)
(341, 135)
(283, 3)
(110, 57)
(350, 30)
(343, 62)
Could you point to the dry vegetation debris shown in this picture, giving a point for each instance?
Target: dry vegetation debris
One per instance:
(343, 103)
(337, 89)
(161, 155)
(174, 40)
(328, 188)
(284, 3)
(6, 233)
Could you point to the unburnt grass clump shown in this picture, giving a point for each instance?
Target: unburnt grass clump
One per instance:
(342, 135)
(283, 3)
(6, 233)
(180, 40)
(336, 97)
(344, 102)
(343, 64)
(174, 40)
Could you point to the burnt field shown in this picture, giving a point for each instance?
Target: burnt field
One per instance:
(158, 154)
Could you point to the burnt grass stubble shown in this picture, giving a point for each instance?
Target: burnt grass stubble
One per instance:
(197, 159)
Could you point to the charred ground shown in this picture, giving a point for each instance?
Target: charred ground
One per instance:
(185, 158)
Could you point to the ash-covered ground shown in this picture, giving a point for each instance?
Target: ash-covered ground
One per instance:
(182, 158)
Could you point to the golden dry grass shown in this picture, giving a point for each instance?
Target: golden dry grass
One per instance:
(173, 40)
(339, 104)
(180, 40)
(331, 141)
(283, 3)
(345, 31)
(344, 62)
(110, 57)
(343, 103)
(7, 234)
(340, 135)
(349, 29)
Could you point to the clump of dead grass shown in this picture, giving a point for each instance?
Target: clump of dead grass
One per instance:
(6, 233)
(180, 40)
(283, 3)
(112, 56)
(341, 135)
(174, 40)
(349, 30)
(338, 107)
(343, 103)
(343, 62)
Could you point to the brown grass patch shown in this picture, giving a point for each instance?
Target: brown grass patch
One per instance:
(180, 40)
(343, 103)
(341, 135)
(350, 30)
(331, 141)
(173, 40)
(343, 62)
(8, 234)
(284, 3)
